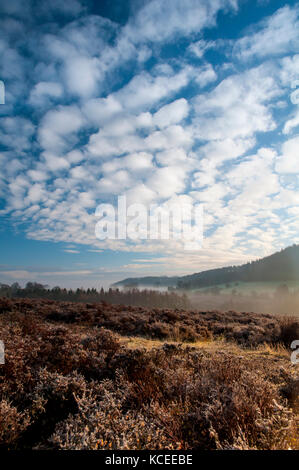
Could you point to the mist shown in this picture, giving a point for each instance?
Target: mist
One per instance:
(280, 301)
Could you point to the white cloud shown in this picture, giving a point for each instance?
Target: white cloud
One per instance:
(218, 151)
(277, 35)
(289, 69)
(145, 90)
(79, 172)
(291, 123)
(138, 162)
(205, 75)
(172, 113)
(167, 181)
(115, 183)
(141, 193)
(37, 175)
(82, 75)
(244, 173)
(203, 178)
(288, 162)
(174, 156)
(43, 91)
(158, 21)
(54, 163)
(75, 156)
(199, 48)
(171, 137)
(100, 110)
(238, 106)
(36, 193)
(102, 147)
(58, 126)
(16, 133)
(105, 120)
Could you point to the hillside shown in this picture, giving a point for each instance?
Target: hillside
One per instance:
(281, 266)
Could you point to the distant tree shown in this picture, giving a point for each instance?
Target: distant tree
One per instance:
(144, 298)
(15, 286)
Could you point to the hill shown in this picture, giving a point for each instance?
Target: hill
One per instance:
(281, 266)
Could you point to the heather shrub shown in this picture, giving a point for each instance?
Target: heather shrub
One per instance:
(104, 423)
(208, 407)
(289, 330)
(51, 401)
(72, 385)
(45, 365)
(233, 399)
(248, 329)
(291, 392)
(13, 423)
(165, 399)
(5, 305)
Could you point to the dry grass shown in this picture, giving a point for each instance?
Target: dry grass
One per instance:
(210, 345)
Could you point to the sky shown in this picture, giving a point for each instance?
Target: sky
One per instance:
(192, 101)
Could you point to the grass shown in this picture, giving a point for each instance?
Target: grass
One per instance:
(219, 344)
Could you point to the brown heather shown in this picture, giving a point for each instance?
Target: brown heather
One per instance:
(208, 380)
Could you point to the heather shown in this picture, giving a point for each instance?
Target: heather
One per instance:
(161, 323)
(70, 380)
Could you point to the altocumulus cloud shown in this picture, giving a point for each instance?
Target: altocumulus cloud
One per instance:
(97, 107)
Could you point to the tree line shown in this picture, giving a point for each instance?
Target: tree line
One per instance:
(135, 297)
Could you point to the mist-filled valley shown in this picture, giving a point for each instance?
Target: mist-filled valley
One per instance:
(273, 298)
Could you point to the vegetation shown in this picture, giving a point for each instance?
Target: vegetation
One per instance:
(133, 296)
(181, 325)
(70, 382)
(281, 266)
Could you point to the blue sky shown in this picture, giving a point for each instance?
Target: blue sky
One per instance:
(161, 101)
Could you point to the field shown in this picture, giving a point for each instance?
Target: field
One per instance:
(100, 376)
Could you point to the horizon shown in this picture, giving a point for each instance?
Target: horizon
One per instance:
(123, 98)
(118, 284)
